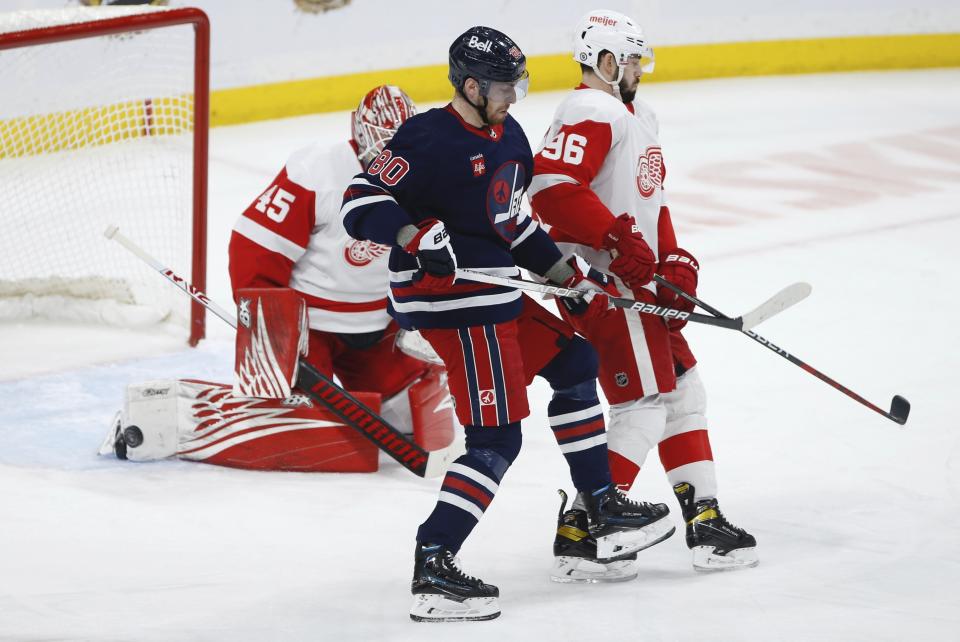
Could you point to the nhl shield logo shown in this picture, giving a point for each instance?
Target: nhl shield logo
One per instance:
(621, 379)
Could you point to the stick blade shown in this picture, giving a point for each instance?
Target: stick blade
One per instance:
(785, 298)
(899, 409)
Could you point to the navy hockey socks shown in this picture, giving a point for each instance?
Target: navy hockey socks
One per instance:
(576, 419)
(470, 484)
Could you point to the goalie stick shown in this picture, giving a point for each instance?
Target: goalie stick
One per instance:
(790, 295)
(899, 407)
(321, 389)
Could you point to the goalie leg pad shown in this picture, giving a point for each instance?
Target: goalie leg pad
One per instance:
(272, 335)
(146, 428)
(205, 422)
(291, 434)
(425, 410)
(432, 410)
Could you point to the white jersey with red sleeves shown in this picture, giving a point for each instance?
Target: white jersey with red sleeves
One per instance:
(292, 235)
(597, 141)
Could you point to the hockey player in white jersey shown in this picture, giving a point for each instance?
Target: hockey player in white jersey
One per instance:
(289, 246)
(598, 181)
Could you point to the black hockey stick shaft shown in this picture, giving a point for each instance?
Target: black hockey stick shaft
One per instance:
(315, 384)
(899, 406)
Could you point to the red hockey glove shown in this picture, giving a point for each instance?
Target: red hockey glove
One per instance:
(681, 269)
(597, 286)
(633, 261)
(438, 263)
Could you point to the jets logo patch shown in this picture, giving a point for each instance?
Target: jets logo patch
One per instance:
(504, 197)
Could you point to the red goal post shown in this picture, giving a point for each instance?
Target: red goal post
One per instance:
(110, 144)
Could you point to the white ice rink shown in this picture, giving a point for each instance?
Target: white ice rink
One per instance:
(849, 181)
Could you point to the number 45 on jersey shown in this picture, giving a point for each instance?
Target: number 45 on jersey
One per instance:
(275, 203)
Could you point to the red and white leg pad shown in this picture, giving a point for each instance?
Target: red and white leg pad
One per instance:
(425, 409)
(272, 335)
(206, 422)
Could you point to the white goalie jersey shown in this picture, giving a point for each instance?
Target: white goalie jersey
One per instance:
(292, 236)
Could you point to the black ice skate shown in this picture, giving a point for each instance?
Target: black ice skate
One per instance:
(717, 544)
(444, 593)
(622, 526)
(575, 552)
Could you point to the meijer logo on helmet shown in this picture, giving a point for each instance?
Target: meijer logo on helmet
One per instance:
(476, 44)
(606, 21)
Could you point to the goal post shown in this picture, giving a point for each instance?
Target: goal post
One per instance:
(104, 117)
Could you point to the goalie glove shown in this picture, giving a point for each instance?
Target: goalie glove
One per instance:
(634, 261)
(680, 268)
(431, 247)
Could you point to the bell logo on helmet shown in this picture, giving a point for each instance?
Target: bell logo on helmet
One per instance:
(482, 46)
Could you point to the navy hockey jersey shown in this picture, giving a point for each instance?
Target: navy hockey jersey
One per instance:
(472, 179)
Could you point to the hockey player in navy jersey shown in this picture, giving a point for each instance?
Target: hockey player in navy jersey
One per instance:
(446, 192)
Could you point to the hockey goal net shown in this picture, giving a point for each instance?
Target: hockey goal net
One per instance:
(103, 119)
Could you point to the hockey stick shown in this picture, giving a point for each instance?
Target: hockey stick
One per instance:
(779, 302)
(321, 389)
(899, 407)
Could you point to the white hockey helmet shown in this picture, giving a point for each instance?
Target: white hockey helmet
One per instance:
(377, 118)
(605, 30)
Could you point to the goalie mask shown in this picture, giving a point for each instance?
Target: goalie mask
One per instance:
(377, 118)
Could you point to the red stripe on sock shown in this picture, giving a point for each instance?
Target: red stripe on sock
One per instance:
(685, 448)
(567, 433)
(469, 489)
(622, 470)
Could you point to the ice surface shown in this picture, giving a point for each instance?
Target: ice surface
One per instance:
(848, 181)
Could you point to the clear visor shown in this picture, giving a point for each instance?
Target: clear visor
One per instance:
(509, 92)
(645, 60)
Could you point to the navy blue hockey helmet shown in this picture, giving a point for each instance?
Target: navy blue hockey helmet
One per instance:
(491, 58)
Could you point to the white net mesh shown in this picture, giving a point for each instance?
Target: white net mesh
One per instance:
(95, 131)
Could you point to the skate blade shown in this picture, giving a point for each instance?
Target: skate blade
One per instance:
(706, 561)
(577, 570)
(430, 607)
(618, 545)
